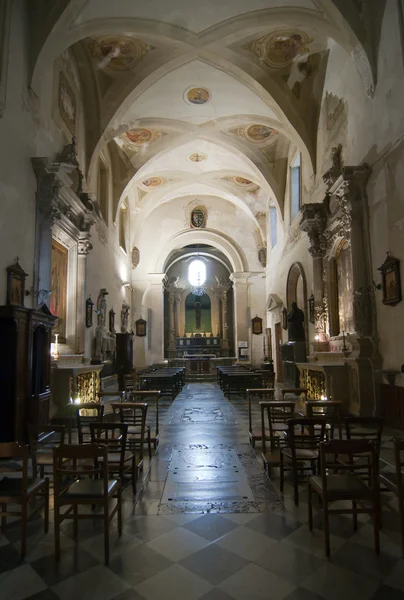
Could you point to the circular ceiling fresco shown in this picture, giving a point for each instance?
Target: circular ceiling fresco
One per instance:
(142, 137)
(152, 183)
(197, 157)
(280, 49)
(118, 53)
(197, 95)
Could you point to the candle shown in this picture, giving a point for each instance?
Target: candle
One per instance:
(55, 348)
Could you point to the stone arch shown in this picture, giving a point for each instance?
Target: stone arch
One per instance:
(213, 238)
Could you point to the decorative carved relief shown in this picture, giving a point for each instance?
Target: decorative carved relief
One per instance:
(313, 223)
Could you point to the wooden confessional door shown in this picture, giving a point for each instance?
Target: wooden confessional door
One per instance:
(278, 345)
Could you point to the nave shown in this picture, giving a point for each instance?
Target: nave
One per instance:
(184, 539)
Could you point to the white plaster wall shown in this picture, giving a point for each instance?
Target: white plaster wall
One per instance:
(26, 130)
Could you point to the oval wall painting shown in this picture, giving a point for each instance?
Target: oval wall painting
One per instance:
(198, 217)
(197, 95)
(141, 137)
(153, 182)
(197, 157)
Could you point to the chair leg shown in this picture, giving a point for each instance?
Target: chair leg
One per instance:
(106, 533)
(355, 515)
(310, 499)
(3, 518)
(149, 444)
(75, 523)
(326, 528)
(24, 518)
(282, 474)
(134, 476)
(295, 484)
(376, 527)
(57, 532)
(119, 500)
(46, 515)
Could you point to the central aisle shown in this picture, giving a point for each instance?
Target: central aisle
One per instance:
(204, 463)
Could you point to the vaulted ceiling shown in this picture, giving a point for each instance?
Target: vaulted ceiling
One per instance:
(210, 96)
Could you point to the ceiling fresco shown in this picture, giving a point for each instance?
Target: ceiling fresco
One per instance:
(280, 49)
(197, 95)
(117, 53)
(256, 134)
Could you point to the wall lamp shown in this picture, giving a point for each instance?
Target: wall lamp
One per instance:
(371, 288)
(128, 285)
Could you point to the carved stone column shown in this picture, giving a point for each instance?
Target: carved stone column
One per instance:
(313, 223)
(215, 312)
(350, 192)
(171, 324)
(83, 249)
(155, 301)
(240, 290)
(178, 330)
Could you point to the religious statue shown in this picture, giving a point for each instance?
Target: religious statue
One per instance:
(102, 308)
(295, 324)
(100, 336)
(124, 317)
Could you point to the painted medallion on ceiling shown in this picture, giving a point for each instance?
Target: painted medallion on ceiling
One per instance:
(198, 217)
(118, 53)
(197, 157)
(152, 183)
(242, 182)
(142, 137)
(280, 49)
(256, 133)
(197, 95)
(135, 257)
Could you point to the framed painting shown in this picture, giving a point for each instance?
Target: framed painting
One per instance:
(141, 327)
(58, 297)
(391, 280)
(15, 284)
(89, 312)
(256, 325)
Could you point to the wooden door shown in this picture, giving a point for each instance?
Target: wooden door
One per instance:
(278, 344)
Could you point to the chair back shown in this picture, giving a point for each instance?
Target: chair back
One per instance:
(72, 462)
(330, 409)
(87, 413)
(399, 464)
(14, 461)
(306, 433)
(273, 414)
(134, 415)
(357, 455)
(111, 435)
(364, 428)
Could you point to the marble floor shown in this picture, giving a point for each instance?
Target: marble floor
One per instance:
(207, 524)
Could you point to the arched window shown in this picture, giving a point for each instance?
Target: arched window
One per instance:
(295, 187)
(197, 273)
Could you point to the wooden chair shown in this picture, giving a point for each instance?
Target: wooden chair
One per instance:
(302, 451)
(274, 418)
(42, 440)
(394, 482)
(133, 414)
(339, 482)
(331, 410)
(75, 486)
(121, 462)
(19, 488)
(260, 394)
(86, 413)
(364, 428)
(129, 382)
(149, 395)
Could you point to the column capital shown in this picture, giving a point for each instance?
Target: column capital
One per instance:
(84, 246)
(240, 277)
(313, 222)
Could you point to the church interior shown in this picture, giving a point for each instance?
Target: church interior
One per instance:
(201, 233)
